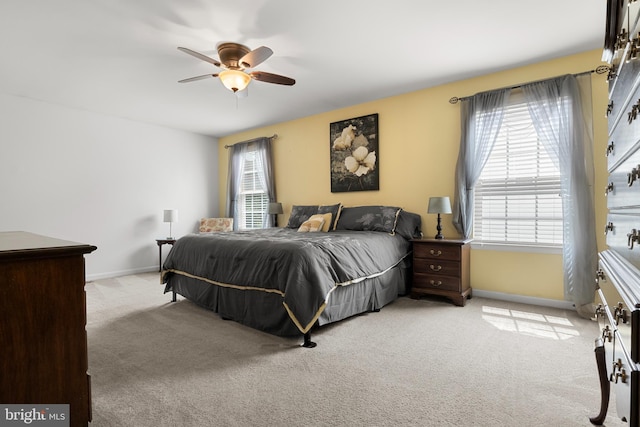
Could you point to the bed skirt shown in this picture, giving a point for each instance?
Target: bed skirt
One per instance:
(267, 312)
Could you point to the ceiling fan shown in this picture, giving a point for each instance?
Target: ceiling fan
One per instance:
(234, 59)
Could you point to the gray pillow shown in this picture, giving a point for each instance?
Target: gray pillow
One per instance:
(334, 210)
(368, 218)
(409, 225)
(300, 214)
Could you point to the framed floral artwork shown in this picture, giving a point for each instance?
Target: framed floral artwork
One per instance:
(354, 154)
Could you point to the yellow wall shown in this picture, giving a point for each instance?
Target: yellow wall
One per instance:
(419, 135)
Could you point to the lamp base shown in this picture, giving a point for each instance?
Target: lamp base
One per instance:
(439, 228)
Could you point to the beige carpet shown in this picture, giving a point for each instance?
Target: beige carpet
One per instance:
(415, 363)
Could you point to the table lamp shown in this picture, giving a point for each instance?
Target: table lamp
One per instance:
(170, 216)
(439, 205)
(275, 208)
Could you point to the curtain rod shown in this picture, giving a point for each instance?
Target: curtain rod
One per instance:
(274, 136)
(601, 69)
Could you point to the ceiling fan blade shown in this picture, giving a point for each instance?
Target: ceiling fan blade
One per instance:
(263, 76)
(200, 56)
(255, 57)
(193, 79)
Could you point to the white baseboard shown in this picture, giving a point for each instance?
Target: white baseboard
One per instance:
(108, 275)
(545, 302)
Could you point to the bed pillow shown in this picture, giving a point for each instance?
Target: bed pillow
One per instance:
(300, 214)
(369, 218)
(334, 210)
(313, 224)
(409, 225)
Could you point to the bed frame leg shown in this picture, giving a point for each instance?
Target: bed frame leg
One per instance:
(307, 341)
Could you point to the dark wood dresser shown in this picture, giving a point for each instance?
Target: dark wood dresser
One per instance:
(441, 267)
(43, 323)
(618, 346)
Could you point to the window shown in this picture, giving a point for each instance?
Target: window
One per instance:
(517, 198)
(253, 200)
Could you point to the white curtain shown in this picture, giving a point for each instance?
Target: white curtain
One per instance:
(267, 179)
(235, 173)
(563, 124)
(481, 117)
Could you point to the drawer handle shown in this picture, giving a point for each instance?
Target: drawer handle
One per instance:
(622, 39)
(435, 253)
(599, 311)
(608, 227)
(609, 108)
(633, 114)
(622, 375)
(435, 267)
(633, 175)
(610, 148)
(632, 238)
(609, 189)
(620, 313)
(434, 283)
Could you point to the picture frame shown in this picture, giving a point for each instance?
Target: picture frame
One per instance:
(354, 154)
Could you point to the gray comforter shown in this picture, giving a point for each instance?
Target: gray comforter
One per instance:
(302, 268)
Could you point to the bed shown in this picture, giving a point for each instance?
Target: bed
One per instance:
(285, 281)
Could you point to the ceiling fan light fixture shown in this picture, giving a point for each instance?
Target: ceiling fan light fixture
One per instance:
(234, 80)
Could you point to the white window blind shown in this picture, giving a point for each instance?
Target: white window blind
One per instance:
(254, 200)
(517, 198)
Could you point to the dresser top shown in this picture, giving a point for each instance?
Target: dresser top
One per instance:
(22, 242)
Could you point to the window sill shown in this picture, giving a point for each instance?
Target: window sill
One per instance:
(504, 247)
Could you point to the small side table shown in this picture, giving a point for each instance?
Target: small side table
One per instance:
(161, 242)
(441, 267)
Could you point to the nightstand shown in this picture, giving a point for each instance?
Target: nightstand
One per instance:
(161, 242)
(441, 267)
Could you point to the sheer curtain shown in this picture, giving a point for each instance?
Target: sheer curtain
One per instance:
(235, 175)
(267, 179)
(481, 118)
(563, 124)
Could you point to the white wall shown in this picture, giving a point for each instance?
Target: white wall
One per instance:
(102, 180)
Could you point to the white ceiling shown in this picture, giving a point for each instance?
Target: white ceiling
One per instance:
(119, 57)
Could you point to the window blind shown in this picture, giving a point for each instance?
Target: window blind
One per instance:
(253, 196)
(517, 198)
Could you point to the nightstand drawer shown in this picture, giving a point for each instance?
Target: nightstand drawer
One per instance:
(427, 281)
(434, 251)
(436, 266)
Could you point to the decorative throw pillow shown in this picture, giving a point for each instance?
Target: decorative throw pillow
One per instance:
(313, 224)
(327, 218)
(210, 225)
(369, 218)
(300, 214)
(334, 210)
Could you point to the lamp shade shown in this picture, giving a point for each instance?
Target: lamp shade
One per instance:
(440, 205)
(234, 80)
(274, 208)
(171, 215)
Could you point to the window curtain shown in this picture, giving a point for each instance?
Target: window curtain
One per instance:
(267, 179)
(235, 173)
(564, 125)
(238, 151)
(481, 118)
